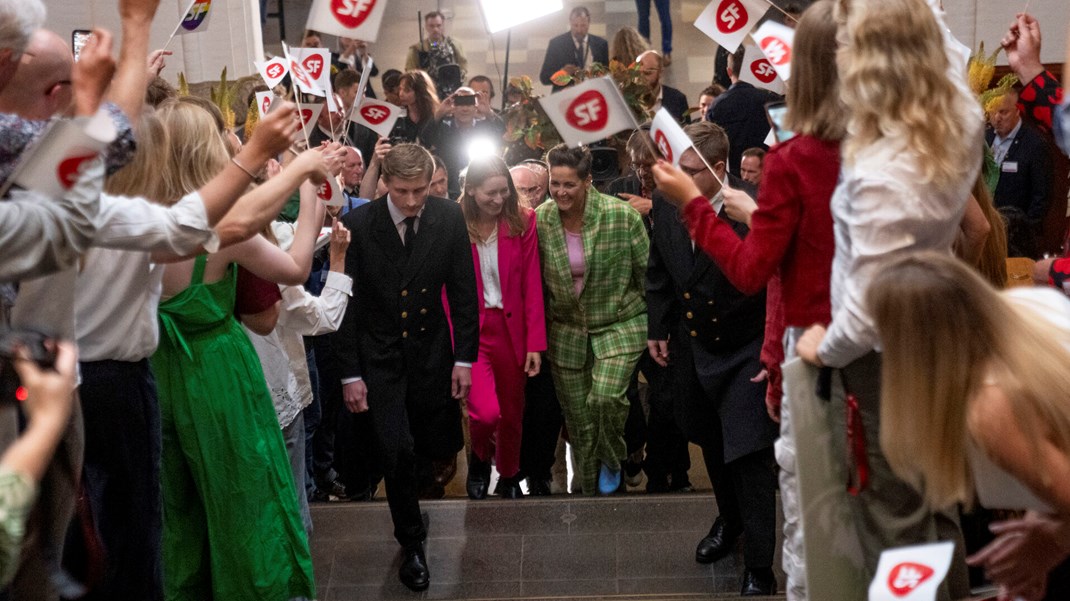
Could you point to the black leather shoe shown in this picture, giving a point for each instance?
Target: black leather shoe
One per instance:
(478, 477)
(758, 583)
(537, 487)
(509, 488)
(413, 572)
(718, 543)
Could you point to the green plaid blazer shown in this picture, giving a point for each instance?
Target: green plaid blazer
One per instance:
(610, 312)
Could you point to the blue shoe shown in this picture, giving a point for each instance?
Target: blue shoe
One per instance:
(608, 480)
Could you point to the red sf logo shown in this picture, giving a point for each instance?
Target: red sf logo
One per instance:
(352, 13)
(300, 74)
(274, 70)
(763, 70)
(779, 53)
(731, 16)
(663, 145)
(266, 104)
(906, 577)
(69, 169)
(325, 192)
(313, 64)
(588, 111)
(374, 113)
(306, 116)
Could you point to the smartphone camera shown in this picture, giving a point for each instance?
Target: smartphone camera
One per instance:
(78, 39)
(37, 345)
(464, 100)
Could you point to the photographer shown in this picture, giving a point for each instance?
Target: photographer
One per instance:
(464, 117)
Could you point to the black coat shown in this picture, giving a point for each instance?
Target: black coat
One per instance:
(741, 112)
(395, 334)
(675, 102)
(1025, 175)
(561, 51)
(715, 337)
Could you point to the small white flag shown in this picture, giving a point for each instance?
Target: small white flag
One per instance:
(196, 17)
(358, 19)
(309, 114)
(591, 111)
(316, 63)
(759, 72)
(669, 137)
(331, 193)
(776, 41)
(376, 115)
(264, 101)
(56, 160)
(304, 81)
(728, 22)
(911, 573)
(273, 71)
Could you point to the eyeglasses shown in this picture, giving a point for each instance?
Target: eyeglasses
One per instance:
(691, 171)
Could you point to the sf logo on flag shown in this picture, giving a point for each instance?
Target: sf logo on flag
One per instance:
(197, 13)
(70, 169)
(325, 192)
(265, 105)
(731, 16)
(663, 145)
(300, 74)
(374, 113)
(351, 13)
(779, 53)
(906, 577)
(588, 112)
(274, 70)
(313, 65)
(763, 70)
(306, 116)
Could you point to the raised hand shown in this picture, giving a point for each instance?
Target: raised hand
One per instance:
(274, 133)
(340, 238)
(157, 62)
(1022, 44)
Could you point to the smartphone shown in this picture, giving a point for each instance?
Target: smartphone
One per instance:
(464, 100)
(78, 40)
(776, 112)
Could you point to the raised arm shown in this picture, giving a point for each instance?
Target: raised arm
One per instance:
(131, 76)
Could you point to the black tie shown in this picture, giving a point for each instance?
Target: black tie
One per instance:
(579, 55)
(410, 233)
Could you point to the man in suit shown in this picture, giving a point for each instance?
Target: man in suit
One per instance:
(575, 50)
(651, 65)
(740, 111)
(710, 335)
(396, 355)
(1024, 163)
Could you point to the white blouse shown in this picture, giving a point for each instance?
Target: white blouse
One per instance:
(488, 268)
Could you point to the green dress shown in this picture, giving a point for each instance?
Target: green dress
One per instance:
(231, 527)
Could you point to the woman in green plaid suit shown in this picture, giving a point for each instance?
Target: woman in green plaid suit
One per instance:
(594, 253)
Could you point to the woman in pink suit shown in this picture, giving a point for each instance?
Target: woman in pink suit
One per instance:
(512, 326)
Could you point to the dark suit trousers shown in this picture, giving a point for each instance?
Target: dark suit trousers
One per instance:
(666, 445)
(542, 426)
(395, 446)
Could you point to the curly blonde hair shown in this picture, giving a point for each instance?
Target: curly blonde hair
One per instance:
(894, 81)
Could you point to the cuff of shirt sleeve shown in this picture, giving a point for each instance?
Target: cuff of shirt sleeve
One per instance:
(196, 219)
(462, 364)
(351, 380)
(340, 282)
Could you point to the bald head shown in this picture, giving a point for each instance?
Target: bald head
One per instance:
(527, 185)
(650, 66)
(41, 86)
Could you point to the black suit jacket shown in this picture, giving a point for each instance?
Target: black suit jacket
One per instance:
(675, 102)
(561, 51)
(741, 112)
(715, 336)
(395, 334)
(1025, 175)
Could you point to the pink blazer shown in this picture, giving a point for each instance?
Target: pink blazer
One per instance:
(521, 275)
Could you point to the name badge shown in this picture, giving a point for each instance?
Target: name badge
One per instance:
(1009, 167)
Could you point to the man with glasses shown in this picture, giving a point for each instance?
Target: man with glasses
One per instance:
(710, 334)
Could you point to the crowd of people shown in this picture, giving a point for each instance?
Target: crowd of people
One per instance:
(200, 346)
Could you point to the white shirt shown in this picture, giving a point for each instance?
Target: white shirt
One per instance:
(399, 219)
(1000, 145)
(586, 50)
(488, 268)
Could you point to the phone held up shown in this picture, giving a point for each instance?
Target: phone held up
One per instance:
(78, 39)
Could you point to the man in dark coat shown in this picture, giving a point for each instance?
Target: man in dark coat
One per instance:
(710, 335)
(672, 100)
(1025, 169)
(396, 355)
(574, 50)
(740, 111)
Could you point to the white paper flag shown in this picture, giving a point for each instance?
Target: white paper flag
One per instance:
(273, 71)
(331, 193)
(589, 112)
(304, 81)
(669, 137)
(759, 72)
(376, 115)
(911, 573)
(56, 159)
(317, 63)
(728, 22)
(358, 19)
(309, 114)
(196, 17)
(776, 41)
(263, 102)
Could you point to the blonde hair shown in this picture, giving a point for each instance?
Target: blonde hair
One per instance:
(198, 150)
(992, 264)
(627, 45)
(479, 171)
(141, 176)
(813, 98)
(944, 331)
(894, 82)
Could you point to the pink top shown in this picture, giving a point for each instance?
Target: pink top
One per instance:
(577, 263)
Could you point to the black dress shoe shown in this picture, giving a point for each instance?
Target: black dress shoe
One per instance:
(478, 477)
(509, 488)
(537, 487)
(413, 572)
(758, 583)
(718, 543)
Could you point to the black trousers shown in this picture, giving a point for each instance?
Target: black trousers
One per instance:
(666, 445)
(122, 476)
(745, 490)
(541, 426)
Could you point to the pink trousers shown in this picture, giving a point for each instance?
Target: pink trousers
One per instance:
(496, 400)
